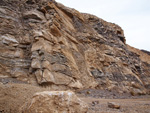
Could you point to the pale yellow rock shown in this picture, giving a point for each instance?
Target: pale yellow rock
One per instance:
(46, 65)
(19, 53)
(42, 44)
(62, 79)
(54, 102)
(36, 63)
(58, 67)
(39, 75)
(48, 77)
(37, 46)
(76, 84)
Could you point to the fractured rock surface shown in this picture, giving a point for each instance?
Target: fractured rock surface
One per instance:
(45, 43)
(55, 102)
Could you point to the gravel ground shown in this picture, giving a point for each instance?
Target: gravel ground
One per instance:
(14, 95)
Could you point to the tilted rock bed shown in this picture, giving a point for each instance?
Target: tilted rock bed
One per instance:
(47, 44)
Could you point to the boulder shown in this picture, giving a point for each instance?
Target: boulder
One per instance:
(54, 102)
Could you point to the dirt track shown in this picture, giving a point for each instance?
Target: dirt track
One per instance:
(13, 96)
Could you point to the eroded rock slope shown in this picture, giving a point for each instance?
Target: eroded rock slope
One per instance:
(43, 42)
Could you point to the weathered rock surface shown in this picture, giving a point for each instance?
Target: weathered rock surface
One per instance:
(55, 102)
(43, 42)
(113, 105)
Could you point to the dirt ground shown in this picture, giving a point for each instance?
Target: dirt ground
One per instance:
(126, 105)
(14, 95)
(98, 100)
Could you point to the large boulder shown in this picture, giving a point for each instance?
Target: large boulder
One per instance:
(54, 102)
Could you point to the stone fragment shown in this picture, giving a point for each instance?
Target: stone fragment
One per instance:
(135, 85)
(135, 91)
(55, 31)
(54, 102)
(95, 103)
(97, 73)
(35, 55)
(19, 53)
(38, 75)
(113, 105)
(46, 65)
(37, 45)
(41, 45)
(58, 67)
(36, 64)
(37, 34)
(61, 69)
(47, 77)
(62, 79)
(17, 72)
(76, 84)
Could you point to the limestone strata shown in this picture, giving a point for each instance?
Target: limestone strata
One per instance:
(60, 46)
(54, 102)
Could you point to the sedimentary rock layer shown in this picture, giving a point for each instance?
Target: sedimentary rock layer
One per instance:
(45, 43)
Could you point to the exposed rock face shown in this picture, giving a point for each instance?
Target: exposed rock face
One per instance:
(61, 47)
(55, 102)
(146, 52)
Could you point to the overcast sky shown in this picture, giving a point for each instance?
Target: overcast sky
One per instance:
(132, 15)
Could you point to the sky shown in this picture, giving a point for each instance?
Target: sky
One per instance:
(132, 15)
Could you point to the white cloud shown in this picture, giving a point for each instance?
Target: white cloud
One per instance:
(132, 15)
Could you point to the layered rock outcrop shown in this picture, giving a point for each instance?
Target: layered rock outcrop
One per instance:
(45, 43)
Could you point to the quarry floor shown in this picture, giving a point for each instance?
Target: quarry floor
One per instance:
(126, 105)
(14, 95)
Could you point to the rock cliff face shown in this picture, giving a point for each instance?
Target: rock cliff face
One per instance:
(43, 42)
